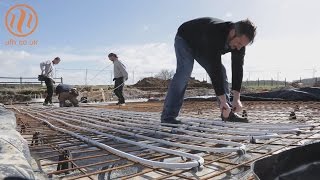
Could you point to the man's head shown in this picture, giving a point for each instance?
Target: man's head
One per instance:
(242, 34)
(56, 60)
(74, 92)
(112, 56)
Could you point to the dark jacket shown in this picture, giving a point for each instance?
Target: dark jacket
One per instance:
(207, 37)
(63, 88)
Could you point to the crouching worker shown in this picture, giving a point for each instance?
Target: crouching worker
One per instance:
(67, 92)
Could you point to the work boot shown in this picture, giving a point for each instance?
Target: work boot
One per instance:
(120, 104)
(170, 121)
(234, 117)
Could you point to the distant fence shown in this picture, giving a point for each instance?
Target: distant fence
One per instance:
(25, 80)
(306, 82)
(261, 83)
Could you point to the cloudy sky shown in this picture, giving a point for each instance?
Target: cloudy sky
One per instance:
(141, 32)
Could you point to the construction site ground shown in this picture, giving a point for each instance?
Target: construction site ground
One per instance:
(80, 143)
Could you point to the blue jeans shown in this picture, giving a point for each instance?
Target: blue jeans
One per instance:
(179, 82)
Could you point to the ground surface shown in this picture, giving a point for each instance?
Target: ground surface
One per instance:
(139, 122)
(191, 106)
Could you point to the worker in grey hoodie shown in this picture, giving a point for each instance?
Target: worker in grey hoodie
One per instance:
(120, 76)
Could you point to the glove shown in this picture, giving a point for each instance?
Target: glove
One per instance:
(114, 79)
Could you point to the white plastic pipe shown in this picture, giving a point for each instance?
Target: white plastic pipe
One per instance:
(275, 128)
(196, 160)
(128, 123)
(211, 128)
(185, 137)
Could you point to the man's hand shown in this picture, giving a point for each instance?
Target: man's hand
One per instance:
(236, 103)
(224, 106)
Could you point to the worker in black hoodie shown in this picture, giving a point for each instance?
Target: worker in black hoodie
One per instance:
(66, 93)
(205, 40)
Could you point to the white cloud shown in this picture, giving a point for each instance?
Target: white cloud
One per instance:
(142, 60)
(265, 59)
(145, 27)
(14, 54)
(288, 58)
(228, 14)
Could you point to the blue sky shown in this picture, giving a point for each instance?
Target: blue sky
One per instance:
(85, 24)
(142, 32)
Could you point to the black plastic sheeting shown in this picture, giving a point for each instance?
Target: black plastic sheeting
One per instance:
(301, 163)
(295, 94)
(301, 94)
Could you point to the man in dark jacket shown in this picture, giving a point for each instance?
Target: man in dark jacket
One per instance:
(205, 40)
(67, 92)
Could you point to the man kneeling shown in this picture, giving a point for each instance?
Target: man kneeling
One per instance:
(67, 92)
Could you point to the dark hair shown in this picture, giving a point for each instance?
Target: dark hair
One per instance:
(247, 28)
(57, 58)
(112, 54)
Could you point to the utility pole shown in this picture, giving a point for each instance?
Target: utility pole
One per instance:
(314, 70)
(110, 77)
(278, 75)
(86, 78)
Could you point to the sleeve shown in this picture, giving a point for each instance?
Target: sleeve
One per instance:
(42, 66)
(216, 74)
(237, 58)
(125, 74)
(123, 71)
(58, 89)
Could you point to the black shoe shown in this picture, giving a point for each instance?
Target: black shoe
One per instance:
(121, 104)
(170, 121)
(234, 117)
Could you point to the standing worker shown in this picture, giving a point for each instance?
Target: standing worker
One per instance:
(205, 40)
(47, 70)
(120, 76)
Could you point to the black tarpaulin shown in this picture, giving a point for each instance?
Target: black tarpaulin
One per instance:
(301, 163)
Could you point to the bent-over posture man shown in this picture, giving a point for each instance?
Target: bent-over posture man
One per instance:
(205, 40)
(47, 70)
(67, 92)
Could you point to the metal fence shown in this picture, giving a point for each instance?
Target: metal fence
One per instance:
(25, 80)
(282, 83)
